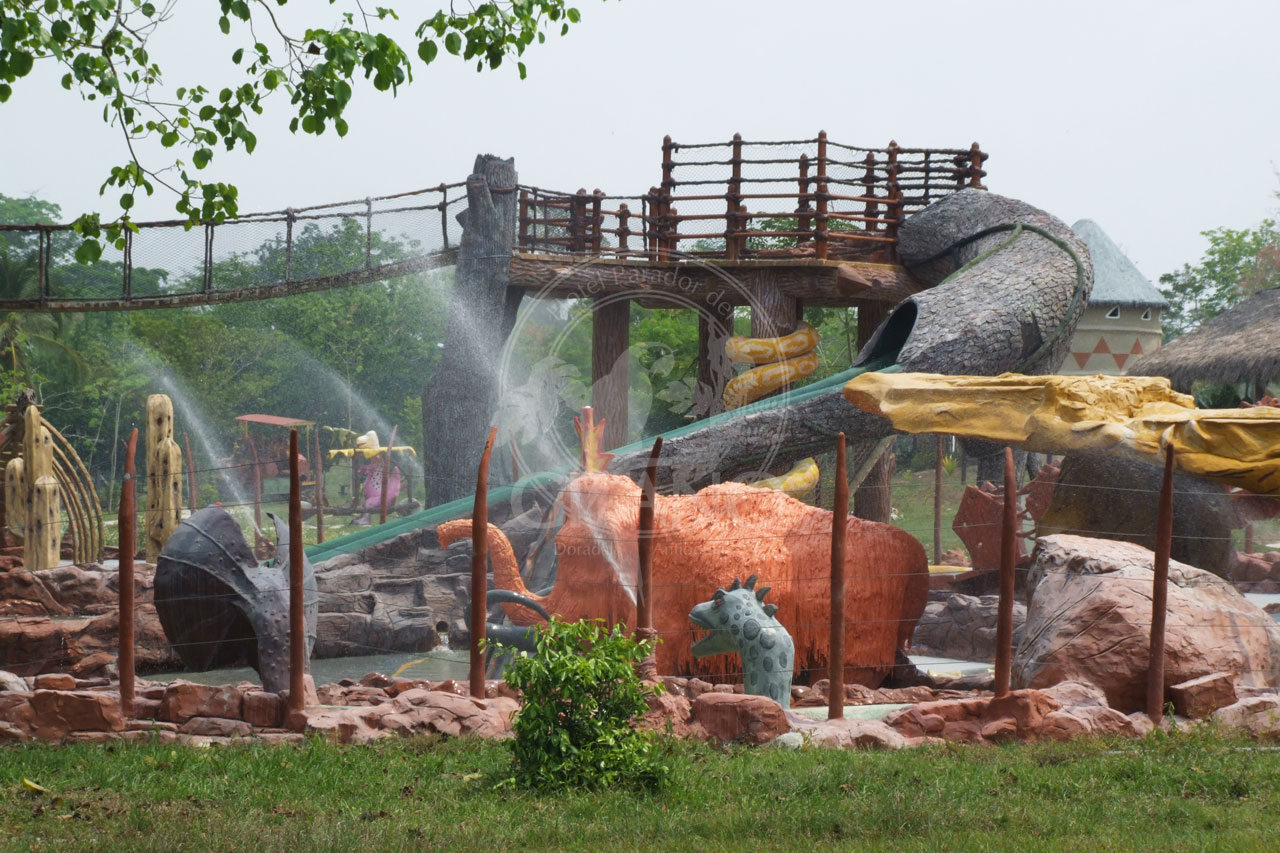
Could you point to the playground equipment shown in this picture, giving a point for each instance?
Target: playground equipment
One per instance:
(64, 483)
(722, 530)
(740, 622)
(164, 476)
(1132, 416)
(367, 491)
(219, 607)
(782, 360)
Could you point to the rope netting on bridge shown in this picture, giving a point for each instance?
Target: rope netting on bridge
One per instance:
(254, 256)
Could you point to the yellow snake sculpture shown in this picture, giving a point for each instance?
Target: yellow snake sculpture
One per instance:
(780, 361)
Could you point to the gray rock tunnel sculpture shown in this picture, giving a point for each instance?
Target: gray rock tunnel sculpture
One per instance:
(219, 607)
(1005, 284)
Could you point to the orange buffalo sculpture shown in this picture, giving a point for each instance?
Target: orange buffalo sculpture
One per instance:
(703, 541)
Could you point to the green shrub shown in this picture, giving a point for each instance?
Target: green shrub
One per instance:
(581, 696)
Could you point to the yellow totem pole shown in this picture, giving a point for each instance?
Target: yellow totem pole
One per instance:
(43, 507)
(15, 499)
(164, 475)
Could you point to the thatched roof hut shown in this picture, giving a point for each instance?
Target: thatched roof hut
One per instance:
(1122, 318)
(1240, 345)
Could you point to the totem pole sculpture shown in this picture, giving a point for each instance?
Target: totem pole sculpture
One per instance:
(41, 505)
(164, 476)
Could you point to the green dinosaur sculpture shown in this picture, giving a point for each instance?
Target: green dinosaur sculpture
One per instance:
(740, 622)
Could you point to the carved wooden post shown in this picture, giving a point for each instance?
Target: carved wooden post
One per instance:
(1008, 559)
(975, 167)
(459, 400)
(839, 533)
(128, 533)
(597, 222)
(164, 475)
(480, 567)
(523, 240)
(820, 236)
(666, 244)
(894, 207)
(804, 218)
(624, 231)
(1160, 593)
(872, 209)
(43, 506)
(733, 202)
(644, 546)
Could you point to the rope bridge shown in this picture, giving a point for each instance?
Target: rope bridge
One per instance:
(172, 264)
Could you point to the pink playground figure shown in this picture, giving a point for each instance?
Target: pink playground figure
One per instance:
(371, 471)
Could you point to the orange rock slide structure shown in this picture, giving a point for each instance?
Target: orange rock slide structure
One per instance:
(705, 540)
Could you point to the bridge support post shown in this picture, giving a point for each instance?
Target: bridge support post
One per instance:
(714, 370)
(610, 339)
(459, 400)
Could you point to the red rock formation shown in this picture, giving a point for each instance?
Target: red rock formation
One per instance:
(705, 540)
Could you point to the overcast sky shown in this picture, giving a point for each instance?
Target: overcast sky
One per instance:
(1156, 119)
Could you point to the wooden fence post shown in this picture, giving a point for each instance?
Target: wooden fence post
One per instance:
(128, 532)
(733, 201)
(1160, 592)
(804, 218)
(319, 475)
(644, 547)
(839, 532)
(297, 616)
(480, 567)
(820, 220)
(937, 504)
(1008, 559)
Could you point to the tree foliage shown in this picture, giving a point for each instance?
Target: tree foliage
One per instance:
(104, 50)
(1237, 264)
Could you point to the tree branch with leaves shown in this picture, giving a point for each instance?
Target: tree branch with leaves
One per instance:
(103, 49)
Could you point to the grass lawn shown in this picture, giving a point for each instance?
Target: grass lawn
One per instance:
(1165, 792)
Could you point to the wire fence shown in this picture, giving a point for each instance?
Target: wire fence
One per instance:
(396, 606)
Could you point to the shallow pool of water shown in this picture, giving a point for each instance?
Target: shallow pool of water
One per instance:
(435, 665)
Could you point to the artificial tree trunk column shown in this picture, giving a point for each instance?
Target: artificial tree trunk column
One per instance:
(610, 339)
(461, 397)
(874, 498)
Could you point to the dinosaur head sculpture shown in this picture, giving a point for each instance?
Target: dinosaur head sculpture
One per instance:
(740, 622)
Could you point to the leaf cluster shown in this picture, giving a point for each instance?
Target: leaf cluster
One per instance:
(102, 46)
(581, 697)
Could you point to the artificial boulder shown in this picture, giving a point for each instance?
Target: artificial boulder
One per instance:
(1107, 496)
(1089, 619)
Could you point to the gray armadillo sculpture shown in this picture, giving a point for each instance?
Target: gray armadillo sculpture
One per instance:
(220, 608)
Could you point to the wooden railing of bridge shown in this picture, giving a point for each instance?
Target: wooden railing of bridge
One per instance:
(809, 198)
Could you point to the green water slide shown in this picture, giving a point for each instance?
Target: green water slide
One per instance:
(462, 506)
